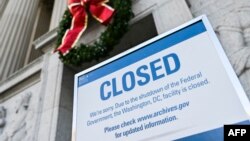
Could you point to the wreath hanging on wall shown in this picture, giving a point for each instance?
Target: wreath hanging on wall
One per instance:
(77, 55)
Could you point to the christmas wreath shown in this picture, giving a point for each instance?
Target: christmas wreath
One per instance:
(76, 55)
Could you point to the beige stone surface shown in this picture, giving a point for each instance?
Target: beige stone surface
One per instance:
(231, 21)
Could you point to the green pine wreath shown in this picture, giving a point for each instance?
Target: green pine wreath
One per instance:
(107, 40)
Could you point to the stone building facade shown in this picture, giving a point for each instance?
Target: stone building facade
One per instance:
(36, 89)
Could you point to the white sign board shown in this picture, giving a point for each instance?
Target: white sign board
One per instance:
(176, 86)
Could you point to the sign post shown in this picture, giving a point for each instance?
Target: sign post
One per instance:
(176, 86)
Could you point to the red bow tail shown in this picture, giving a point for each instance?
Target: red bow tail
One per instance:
(78, 26)
(101, 12)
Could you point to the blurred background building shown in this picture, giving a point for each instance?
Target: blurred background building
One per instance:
(36, 89)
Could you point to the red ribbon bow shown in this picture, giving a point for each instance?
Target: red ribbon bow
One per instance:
(78, 8)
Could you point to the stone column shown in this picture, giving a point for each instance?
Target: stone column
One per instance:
(2, 6)
(58, 10)
(15, 27)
